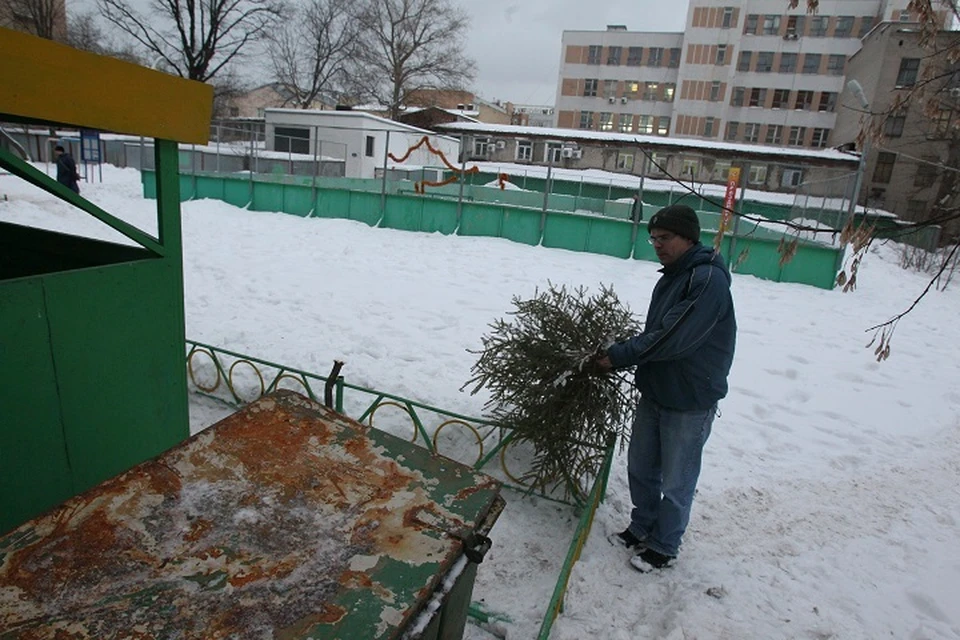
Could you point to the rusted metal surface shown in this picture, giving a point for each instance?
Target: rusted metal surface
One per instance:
(286, 520)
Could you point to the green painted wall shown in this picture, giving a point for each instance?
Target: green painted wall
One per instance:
(514, 215)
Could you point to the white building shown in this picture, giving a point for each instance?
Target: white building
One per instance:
(751, 71)
(360, 138)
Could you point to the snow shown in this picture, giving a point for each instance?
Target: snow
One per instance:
(829, 504)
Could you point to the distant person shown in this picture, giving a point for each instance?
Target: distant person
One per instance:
(682, 359)
(66, 169)
(636, 209)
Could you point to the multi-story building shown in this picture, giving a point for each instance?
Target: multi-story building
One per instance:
(914, 155)
(750, 71)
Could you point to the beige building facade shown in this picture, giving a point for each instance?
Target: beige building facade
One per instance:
(753, 72)
(918, 145)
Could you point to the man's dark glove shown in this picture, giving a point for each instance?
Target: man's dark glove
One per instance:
(596, 365)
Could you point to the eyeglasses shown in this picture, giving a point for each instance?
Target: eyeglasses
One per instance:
(661, 239)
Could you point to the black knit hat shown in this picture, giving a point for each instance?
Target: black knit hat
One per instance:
(680, 219)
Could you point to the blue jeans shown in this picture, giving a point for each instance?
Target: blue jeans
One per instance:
(663, 465)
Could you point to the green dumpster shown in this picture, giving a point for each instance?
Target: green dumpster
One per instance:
(284, 520)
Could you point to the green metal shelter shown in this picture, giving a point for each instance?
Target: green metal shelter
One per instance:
(92, 380)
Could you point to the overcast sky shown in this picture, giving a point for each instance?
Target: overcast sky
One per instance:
(516, 43)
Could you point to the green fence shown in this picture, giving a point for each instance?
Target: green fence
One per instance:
(493, 212)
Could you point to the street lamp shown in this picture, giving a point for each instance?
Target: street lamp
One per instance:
(857, 90)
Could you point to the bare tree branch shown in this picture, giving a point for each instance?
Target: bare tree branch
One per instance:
(44, 18)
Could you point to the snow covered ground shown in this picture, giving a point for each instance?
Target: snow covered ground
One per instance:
(829, 505)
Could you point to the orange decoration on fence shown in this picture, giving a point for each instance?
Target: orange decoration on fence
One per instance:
(420, 187)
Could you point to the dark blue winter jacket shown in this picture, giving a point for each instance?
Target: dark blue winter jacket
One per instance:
(684, 354)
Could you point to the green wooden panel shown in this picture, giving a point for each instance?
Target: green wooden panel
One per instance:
(297, 200)
(566, 231)
(149, 181)
(207, 187)
(522, 225)
(816, 265)
(481, 220)
(332, 203)
(439, 216)
(403, 212)
(611, 237)
(363, 207)
(236, 192)
(118, 346)
(267, 197)
(34, 468)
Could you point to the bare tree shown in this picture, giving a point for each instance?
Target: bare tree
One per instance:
(192, 39)
(410, 46)
(84, 32)
(311, 59)
(44, 18)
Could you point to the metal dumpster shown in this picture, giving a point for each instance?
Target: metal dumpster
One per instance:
(284, 520)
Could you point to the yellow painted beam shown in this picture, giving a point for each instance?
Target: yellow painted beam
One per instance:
(45, 80)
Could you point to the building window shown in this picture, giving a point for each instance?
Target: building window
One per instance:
(926, 175)
(811, 62)
(721, 170)
(663, 126)
(907, 76)
(893, 127)
(751, 132)
(291, 140)
(525, 150)
(804, 100)
(625, 161)
(645, 125)
(884, 168)
(609, 88)
(795, 26)
(674, 58)
(715, 91)
(904, 16)
(791, 177)
(788, 63)
(758, 174)
(690, 168)
(553, 152)
(943, 123)
(727, 20)
(658, 163)
(866, 23)
(835, 65)
(828, 102)
(743, 64)
(721, 54)
(819, 138)
(774, 134)
(613, 55)
(586, 119)
(733, 130)
(708, 125)
(669, 89)
(750, 25)
(764, 62)
(606, 121)
(651, 91)
(781, 99)
(844, 28)
(818, 26)
(593, 54)
(758, 97)
(590, 87)
(634, 55)
(737, 98)
(369, 149)
(655, 57)
(482, 146)
(625, 123)
(771, 25)
(796, 136)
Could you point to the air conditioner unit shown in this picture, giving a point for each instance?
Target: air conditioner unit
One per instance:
(611, 99)
(790, 36)
(501, 144)
(566, 153)
(955, 92)
(577, 154)
(623, 100)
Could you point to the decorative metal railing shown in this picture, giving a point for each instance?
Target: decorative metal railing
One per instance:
(237, 379)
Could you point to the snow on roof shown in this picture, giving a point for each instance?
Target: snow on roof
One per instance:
(393, 125)
(830, 156)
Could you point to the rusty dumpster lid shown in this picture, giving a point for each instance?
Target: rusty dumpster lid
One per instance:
(285, 520)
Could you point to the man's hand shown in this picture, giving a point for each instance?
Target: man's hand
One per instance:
(596, 366)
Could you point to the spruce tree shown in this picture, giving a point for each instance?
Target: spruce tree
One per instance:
(537, 366)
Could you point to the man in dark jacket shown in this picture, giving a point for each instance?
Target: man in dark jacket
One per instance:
(682, 359)
(66, 169)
